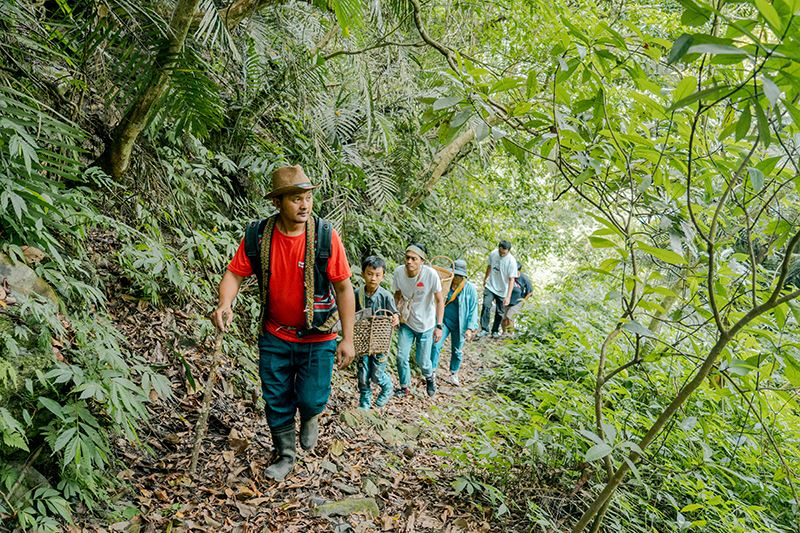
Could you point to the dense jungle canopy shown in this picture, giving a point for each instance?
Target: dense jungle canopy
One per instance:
(642, 157)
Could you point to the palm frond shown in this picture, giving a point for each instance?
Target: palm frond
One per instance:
(193, 99)
(349, 14)
(213, 29)
(339, 125)
(381, 186)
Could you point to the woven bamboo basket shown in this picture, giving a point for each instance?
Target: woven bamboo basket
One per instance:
(445, 274)
(373, 335)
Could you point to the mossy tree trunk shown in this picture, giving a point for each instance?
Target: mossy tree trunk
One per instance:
(116, 158)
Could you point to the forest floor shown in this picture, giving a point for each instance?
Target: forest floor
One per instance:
(375, 470)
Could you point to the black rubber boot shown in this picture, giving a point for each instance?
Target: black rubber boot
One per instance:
(309, 431)
(284, 441)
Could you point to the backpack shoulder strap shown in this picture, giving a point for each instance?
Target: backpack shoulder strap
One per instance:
(252, 247)
(324, 232)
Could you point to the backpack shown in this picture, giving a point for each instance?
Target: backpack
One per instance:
(322, 253)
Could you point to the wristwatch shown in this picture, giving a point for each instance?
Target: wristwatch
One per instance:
(438, 326)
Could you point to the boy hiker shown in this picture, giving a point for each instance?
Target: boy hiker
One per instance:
(501, 268)
(523, 288)
(460, 320)
(372, 368)
(297, 258)
(418, 295)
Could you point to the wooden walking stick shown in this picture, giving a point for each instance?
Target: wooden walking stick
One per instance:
(202, 423)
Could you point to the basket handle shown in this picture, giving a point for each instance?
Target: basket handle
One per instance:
(389, 313)
(443, 257)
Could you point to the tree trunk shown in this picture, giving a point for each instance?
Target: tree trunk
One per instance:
(240, 10)
(687, 390)
(116, 158)
(441, 161)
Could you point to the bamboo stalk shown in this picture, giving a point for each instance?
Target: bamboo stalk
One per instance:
(202, 423)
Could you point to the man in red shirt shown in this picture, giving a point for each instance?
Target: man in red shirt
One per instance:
(296, 347)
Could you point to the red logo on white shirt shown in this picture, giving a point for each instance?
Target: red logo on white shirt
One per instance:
(420, 285)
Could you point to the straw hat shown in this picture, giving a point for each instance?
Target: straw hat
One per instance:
(289, 179)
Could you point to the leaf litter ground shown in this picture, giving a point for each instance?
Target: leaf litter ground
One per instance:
(376, 470)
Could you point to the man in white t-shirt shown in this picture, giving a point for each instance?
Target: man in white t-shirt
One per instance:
(501, 269)
(418, 287)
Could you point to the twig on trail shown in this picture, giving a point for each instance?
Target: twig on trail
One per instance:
(202, 423)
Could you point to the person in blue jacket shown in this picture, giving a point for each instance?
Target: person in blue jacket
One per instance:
(460, 320)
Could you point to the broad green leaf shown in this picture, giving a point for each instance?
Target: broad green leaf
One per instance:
(771, 91)
(794, 112)
(638, 329)
(763, 125)
(694, 15)
(498, 133)
(692, 507)
(482, 130)
(685, 87)
(770, 15)
(64, 438)
(506, 84)
(663, 291)
(600, 242)
(51, 406)
(743, 124)
(679, 48)
(795, 308)
(632, 446)
(446, 102)
(756, 178)
(461, 117)
(792, 370)
(583, 176)
(665, 255)
(598, 451)
(694, 97)
(780, 314)
(530, 83)
(594, 437)
(607, 223)
(72, 450)
(715, 49)
(514, 150)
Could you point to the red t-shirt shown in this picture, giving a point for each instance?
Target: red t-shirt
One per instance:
(286, 302)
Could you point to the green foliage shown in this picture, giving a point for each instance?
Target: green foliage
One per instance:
(712, 468)
(70, 409)
(675, 129)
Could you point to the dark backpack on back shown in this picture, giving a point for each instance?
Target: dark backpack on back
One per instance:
(325, 311)
(252, 246)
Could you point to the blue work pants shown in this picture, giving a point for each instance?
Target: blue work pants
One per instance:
(295, 377)
(456, 347)
(372, 369)
(405, 339)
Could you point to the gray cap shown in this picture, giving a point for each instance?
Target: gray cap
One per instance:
(460, 268)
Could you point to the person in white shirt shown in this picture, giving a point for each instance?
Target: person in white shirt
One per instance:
(501, 269)
(418, 295)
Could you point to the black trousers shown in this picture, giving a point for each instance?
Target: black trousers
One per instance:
(488, 297)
